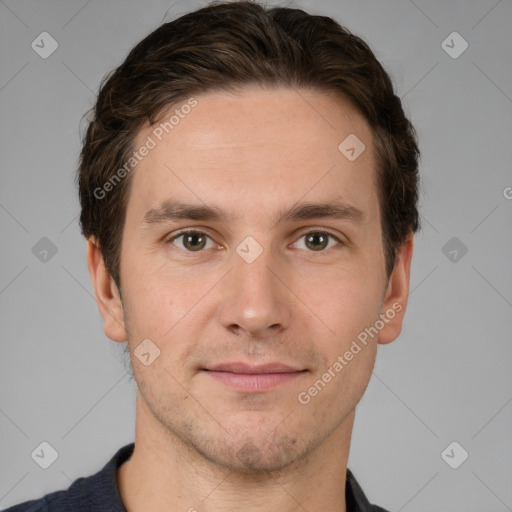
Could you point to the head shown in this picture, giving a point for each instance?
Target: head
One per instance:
(242, 112)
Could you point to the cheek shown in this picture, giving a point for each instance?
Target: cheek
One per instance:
(347, 307)
(346, 302)
(152, 307)
(168, 308)
(335, 390)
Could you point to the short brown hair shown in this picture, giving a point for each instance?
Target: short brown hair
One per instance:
(225, 46)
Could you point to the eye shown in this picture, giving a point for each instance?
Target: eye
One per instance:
(318, 240)
(193, 241)
(196, 241)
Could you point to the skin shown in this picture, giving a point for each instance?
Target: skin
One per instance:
(200, 444)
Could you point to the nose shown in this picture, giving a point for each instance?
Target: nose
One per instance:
(255, 300)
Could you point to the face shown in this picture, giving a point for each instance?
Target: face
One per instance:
(252, 297)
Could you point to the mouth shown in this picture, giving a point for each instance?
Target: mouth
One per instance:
(254, 378)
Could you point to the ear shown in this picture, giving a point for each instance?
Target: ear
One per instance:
(106, 292)
(395, 300)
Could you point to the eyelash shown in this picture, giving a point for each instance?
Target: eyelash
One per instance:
(196, 232)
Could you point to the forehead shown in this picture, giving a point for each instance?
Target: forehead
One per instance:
(239, 149)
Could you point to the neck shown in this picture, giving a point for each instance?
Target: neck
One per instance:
(165, 474)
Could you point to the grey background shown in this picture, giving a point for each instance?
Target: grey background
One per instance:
(447, 378)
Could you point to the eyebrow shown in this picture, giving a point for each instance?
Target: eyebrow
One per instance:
(178, 210)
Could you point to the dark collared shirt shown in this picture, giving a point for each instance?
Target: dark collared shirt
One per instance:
(99, 492)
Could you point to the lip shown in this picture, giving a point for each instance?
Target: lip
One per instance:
(253, 378)
(239, 367)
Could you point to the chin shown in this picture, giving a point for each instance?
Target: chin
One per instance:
(257, 456)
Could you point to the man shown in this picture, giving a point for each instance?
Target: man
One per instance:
(249, 186)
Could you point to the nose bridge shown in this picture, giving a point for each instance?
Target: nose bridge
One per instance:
(255, 298)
